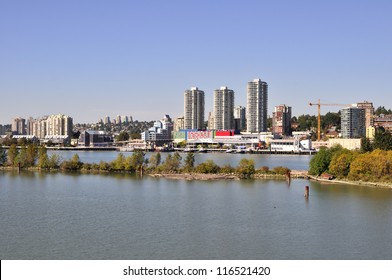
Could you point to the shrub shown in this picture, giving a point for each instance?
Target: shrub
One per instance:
(246, 168)
(209, 166)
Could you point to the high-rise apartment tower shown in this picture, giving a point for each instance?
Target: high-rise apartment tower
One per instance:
(194, 109)
(281, 120)
(256, 110)
(223, 109)
(353, 122)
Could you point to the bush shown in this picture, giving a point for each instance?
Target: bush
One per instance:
(227, 169)
(246, 168)
(280, 170)
(264, 170)
(209, 167)
(320, 162)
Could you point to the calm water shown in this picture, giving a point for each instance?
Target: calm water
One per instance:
(59, 216)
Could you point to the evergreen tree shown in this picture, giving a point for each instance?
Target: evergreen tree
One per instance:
(3, 156)
(366, 145)
(12, 155)
(189, 162)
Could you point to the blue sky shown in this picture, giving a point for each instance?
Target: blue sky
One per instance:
(92, 58)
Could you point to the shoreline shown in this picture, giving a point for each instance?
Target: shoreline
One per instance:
(355, 183)
(193, 176)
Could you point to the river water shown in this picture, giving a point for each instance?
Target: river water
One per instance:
(119, 216)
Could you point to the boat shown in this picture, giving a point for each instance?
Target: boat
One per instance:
(229, 151)
(202, 150)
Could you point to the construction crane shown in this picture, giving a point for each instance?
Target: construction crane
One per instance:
(318, 104)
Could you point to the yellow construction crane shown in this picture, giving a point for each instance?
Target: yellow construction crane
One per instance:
(318, 104)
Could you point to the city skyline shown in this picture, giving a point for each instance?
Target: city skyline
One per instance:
(91, 59)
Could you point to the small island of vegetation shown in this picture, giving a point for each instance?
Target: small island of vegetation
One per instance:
(33, 157)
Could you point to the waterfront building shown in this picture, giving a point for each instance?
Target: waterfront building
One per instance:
(223, 109)
(179, 124)
(281, 120)
(59, 125)
(353, 122)
(194, 109)
(18, 126)
(160, 132)
(257, 99)
(369, 112)
(94, 138)
(239, 117)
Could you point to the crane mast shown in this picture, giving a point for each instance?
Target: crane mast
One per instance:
(318, 104)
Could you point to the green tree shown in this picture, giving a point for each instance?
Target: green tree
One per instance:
(43, 159)
(340, 163)
(31, 155)
(73, 164)
(331, 119)
(320, 162)
(366, 145)
(374, 166)
(12, 155)
(209, 166)
(3, 156)
(189, 163)
(22, 156)
(382, 140)
(155, 160)
(54, 161)
(118, 163)
(123, 136)
(381, 110)
(138, 160)
(172, 163)
(246, 168)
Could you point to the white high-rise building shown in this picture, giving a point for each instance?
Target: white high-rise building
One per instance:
(194, 109)
(256, 110)
(59, 125)
(223, 109)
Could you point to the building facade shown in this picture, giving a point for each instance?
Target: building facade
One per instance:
(257, 101)
(223, 109)
(239, 118)
(281, 120)
(160, 133)
(194, 109)
(353, 122)
(53, 125)
(59, 125)
(178, 124)
(18, 126)
(369, 112)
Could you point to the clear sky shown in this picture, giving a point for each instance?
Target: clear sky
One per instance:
(92, 58)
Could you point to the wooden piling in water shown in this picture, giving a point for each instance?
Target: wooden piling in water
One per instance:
(306, 195)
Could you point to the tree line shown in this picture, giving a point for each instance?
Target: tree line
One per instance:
(33, 156)
(374, 166)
